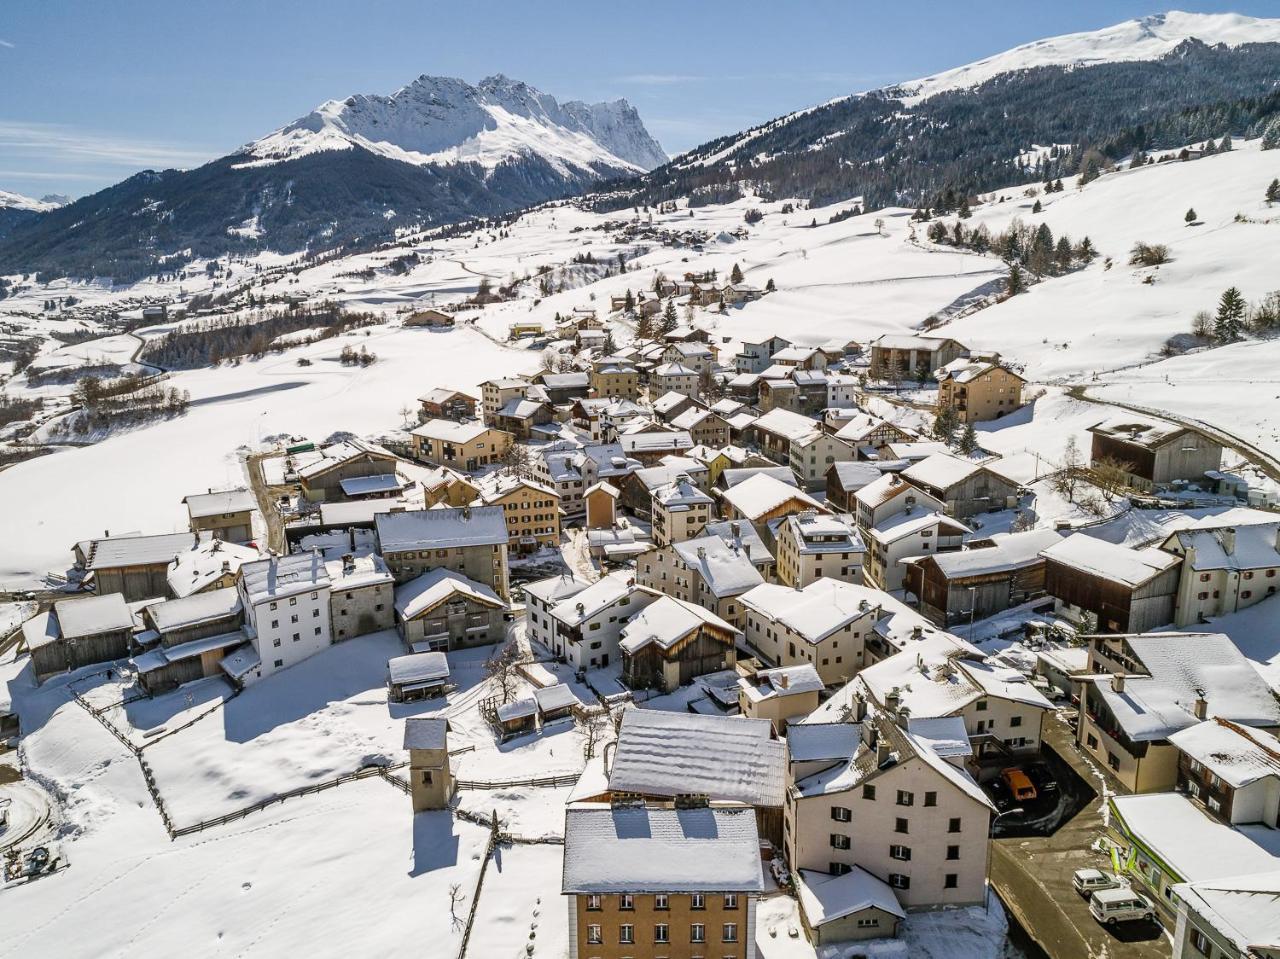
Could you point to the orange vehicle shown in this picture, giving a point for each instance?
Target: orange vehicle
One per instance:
(1020, 786)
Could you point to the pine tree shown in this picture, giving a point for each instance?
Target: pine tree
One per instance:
(1226, 145)
(769, 287)
(1015, 284)
(968, 440)
(944, 425)
(1036, 207)
(964, 213)
(735, 275)
(1273, 192)
(644, 327)
(669, 321)
(629, 303)
(1228, 325)
(1190, 216)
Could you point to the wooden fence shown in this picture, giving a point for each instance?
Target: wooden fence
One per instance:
(567, 779)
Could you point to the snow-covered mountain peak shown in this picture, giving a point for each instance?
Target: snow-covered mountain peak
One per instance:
(1145, 38)
(440, 120)
(16, 201)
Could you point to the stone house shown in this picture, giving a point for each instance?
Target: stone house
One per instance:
(709, 571)
(426, 738)
(226, 515)
(467, 540)
(361, 595)
(444, 610)
(532, 511)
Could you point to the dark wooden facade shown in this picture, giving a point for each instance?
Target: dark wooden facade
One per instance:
(1120, 608)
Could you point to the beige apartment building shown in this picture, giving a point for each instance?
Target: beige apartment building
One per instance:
(894, 807)
(612, 378)
(812, 545)
(532, 511)
(460, 446)
(680, 511)
(978, 389)
(495, 394)
(661, 883)
(813, 454)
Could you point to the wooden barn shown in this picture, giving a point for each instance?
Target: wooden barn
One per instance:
(986, 578)
(670, 643)
(1128, 590)
(78, 632)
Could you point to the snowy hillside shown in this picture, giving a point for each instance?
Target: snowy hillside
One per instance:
(446, 120)
(1146, 38)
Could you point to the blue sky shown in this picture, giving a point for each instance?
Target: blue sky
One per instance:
(94, 91)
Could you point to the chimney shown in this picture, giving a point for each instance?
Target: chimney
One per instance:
(917, 632)
(882, 750)
(1228, 539)
(736, 528)
(226, 565)
(348, 562)
(863, 605)
(893, 699)
(1117, 682)
(859, 707)
(1201, 707)
(702, 552)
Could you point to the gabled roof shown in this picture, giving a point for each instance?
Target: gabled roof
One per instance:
(642, 850)
(415, 669)
(1097, 557)
(451, 431)
(761, 493)
(195, 609)
(667, 754)
(92, 615)
(665, 622)
(201, 505)
(279, 576)
(579, 607)
(781, 681)
(436, 586)
(1248, 547)
(785, 423)
(1008, 552)
(441, 528)
(818, 742)
(943, 471)
(1243, 908)
(195, 568)
(724, 568)
(821, 608)
(344, 452)
(1238, 755)
(424, 732)
(826, 898)
(120, 551)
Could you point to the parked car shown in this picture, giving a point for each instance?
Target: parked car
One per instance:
(1020, 785)
(1089, 881)
(1110, 906)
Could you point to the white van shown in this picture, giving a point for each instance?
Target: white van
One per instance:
(1089, 881)
(1111, 906)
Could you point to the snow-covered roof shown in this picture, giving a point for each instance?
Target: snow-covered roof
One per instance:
(968, 369)
(603, 487)
(781, 681)
(418, 668)
(362, 571)
(725, 568)
(1193, 844)
(1009, 551)
(1130, 567)
(907, 341)
(584, 604)
(926, 679)
(882, 490)
(92, 615)
(816, 533)
(943, 471)
(241, 661)
(278, 576)
(945, 735)
(1238, 755)
(360, 511)
(1245, 908)
(668, 754)
(117, 551)
(642, 850)
(435, 586)
(195, 568)
(826, 898)
(555, 588)
(649, 442)
(520, 409)
(1128, 428)
(854, 476)
(557, 696)
(518, 709)
(442, 394)
(1182, 667)
(447, 528)
(426, 732)
(816, 742)
(762, 493)
(450, 431)
(339, 453)
(691, 418)
(674, 369)
(201, 505)
(681, 494)
(743, 536)
(913, 521)
(665, 622)
(785, 423)
(368, 485)
(195, 609)
(783, 474)
(820, 609)
(1232, 548)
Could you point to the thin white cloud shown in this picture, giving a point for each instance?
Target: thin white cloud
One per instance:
(51, 142)
(658, 79)
(7, 44)
(46, 175)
